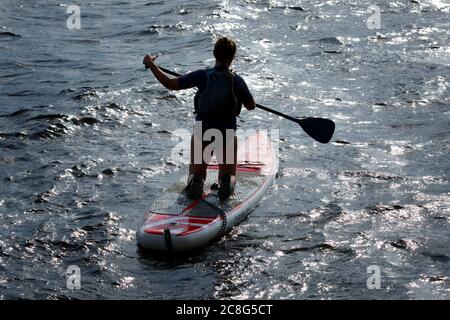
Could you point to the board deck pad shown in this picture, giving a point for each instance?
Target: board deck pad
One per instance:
(175, 202)
(175, 222)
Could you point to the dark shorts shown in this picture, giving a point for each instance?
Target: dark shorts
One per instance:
(213, 133)
(224, 123)
(223, 149)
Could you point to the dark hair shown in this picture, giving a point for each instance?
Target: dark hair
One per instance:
(224, 50)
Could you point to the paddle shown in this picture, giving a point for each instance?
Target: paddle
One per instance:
(319, 129)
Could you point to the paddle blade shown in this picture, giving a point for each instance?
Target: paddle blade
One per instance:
(319, 129)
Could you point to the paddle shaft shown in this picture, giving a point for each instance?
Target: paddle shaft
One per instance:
(278, 113)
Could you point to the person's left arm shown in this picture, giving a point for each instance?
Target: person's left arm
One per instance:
(169, 83)
(244, 94)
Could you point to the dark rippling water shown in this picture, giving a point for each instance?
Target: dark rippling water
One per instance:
(86, 138)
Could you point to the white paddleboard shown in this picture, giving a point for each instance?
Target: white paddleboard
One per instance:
(175, 223)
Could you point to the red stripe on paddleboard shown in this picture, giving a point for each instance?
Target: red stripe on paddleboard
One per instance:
(181, 219)
(191, 230)
(153, 231)
(159, 230)
(180, 223)
(188, 220)
(239, 169)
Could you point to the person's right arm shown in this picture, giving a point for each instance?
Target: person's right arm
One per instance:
(169, 83)
(187, 81)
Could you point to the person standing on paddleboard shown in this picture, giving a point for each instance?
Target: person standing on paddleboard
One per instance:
(219, 99)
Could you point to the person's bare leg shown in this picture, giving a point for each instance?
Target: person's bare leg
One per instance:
(225, 167)
(197, 170)
(228, 170)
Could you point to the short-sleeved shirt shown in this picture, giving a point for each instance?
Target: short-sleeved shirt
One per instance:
(199, 79)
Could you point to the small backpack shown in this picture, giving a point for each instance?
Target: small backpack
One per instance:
(218, 100)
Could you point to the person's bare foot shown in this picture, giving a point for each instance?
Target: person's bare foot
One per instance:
(226, 186)
(194, 188)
